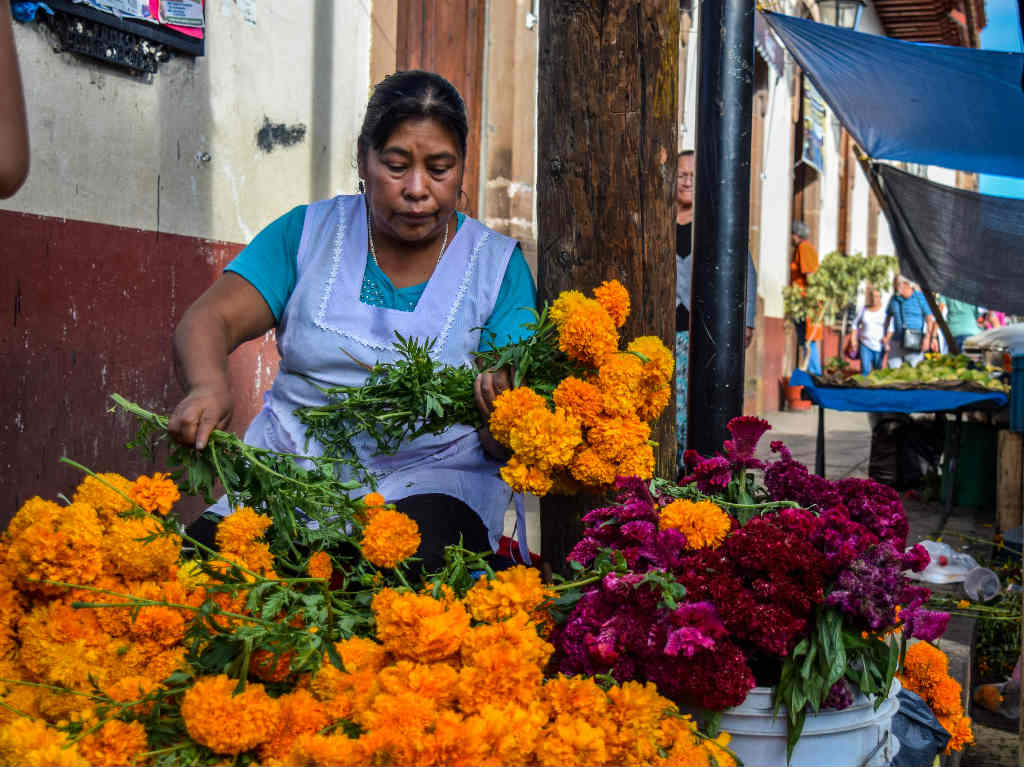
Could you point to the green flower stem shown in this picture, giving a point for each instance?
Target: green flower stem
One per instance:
(43, 686)
(17, 711)
(138, 602)
(98, 478)
(162, 751)
(574, 584)
(980, 540)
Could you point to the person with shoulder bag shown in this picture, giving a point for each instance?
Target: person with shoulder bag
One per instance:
(908, 323)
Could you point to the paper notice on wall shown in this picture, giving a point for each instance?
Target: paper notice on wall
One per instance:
(132, 9)
(181, 13)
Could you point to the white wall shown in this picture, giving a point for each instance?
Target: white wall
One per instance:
(828, 216)
(113, 148)
(776, 195)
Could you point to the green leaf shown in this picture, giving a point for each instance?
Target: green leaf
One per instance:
(795, 729)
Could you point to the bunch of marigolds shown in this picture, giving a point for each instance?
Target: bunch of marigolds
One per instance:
(599, 426)
(122, 647)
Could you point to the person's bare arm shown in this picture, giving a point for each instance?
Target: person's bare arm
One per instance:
(487, 387)
(13, 124)
(229, 313)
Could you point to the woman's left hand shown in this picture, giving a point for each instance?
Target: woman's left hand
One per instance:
(487, 387)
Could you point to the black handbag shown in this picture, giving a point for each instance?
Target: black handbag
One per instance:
(911, 340)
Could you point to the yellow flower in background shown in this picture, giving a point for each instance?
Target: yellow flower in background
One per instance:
(963, 603)
(58, 543)
(613, 438)
(31, 741)
(546, 439)
(615, 300)
(525, 478)
(419, 627)
(589, 468)
(156, 494)
(638, 461)
(661, 364)
(240, 529)
(116, 743)
(580, 398)
(390, 537)
(108, 499)
(510, 408)
(588, 335)
(518, 589)
(227, 723)
(703, 523)
(567, 302)
(654, 404)
(129, 553)
(320, 566)
(620, 380)
(190, 574)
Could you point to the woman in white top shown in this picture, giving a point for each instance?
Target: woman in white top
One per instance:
(869, 331)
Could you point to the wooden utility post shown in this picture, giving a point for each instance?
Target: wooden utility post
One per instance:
(606, 175)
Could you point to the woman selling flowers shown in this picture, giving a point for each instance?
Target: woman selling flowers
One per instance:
(340, 277)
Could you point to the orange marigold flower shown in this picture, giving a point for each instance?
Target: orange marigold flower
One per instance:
(638, 461)
(703, 523)
(129, 689)
(419, 627)
(925, 666)
(576, 697)
(374, 499)
(433, 681)
(661, 364)
(227, 723)
(615, 300)
(525, 478)
(653, 403)
(946, 697)
(566, 303)
(301, 714)
(362, 654)
(580, 398)
(546, 439)
(571, 741)
(589, 468)
(58, 543)
(156, 494)
(31, 741)
(320, 566)
(390, 537)
(588, 335)
(239, 530)
(162, 625)
(510, 407)
(959, 728)
(109, 499)
(268, 667)
(139, 548)
(620, 380)
(518, 589)
(963, 604)
(116, 743)
(327, 751)
(613, 438)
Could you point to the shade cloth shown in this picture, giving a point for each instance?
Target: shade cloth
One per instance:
(894, 400)
(941, 105)
(959, 243)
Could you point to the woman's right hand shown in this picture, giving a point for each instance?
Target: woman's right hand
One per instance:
(204, 409)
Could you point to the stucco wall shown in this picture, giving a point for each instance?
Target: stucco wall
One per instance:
(177, 152)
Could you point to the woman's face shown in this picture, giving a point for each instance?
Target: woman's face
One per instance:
(876, 297)
(684, 181)
(413, 182)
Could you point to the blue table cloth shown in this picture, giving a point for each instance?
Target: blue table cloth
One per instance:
(876, 400)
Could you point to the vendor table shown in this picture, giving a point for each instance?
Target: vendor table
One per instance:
(879, 400)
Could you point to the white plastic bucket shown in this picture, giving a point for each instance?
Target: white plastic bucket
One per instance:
(854, 737)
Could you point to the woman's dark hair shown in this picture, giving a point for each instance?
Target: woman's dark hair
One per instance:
(407, 95)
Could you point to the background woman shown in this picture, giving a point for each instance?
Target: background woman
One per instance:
(348, 273)
(868, 332)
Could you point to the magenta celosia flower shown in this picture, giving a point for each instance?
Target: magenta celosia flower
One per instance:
(840, 696)
(746, 431)
(693, 626)
(928, 625)
(711, 474)
(916, 558)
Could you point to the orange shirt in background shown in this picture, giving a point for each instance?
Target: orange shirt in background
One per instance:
(805, 262)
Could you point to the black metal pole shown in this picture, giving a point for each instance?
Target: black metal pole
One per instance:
(721, 219)
(819, 445)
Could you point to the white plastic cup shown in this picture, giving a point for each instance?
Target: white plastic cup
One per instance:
(981, 584)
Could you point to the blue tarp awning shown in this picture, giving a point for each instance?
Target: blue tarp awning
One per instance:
(958, 108)
(878, 400)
